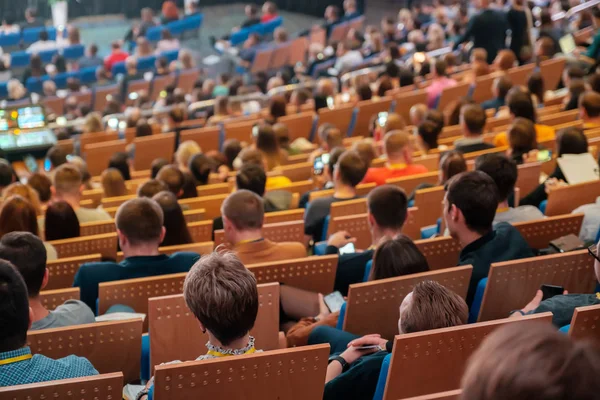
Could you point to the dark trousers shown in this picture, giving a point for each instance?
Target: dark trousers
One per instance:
(336, 338)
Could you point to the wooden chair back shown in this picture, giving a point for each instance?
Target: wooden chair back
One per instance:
(241, 131)
(362, 189)
(103, 94)
(110, 202)
(98, 154)
(338, 32)
(299, 125)
(431, 200)
(528, 177)
(483, 88)
(136, 86)
(186, 79)
(348, 207)
(450, 395)
(95, 195)
(551, 71)
(429, 161)
(284, 216)
(586, 323)
(262, 60)
(61, 272)
(291, 374)
(540, 233)
(280, 57)
(368, 109)
(114, 346)
(105, 244)
(97, 228)
(409, 183)
(565, 199)
(512, 284)
(194, 215)
(368, 301)
(405, 101)
(316, 273)
(519, 75)
(453, 93)
(441, 252)
(291, 231)
(214, 189)
(210, 204)
(66, 145)
(86, 139)
(475, 154)
(356, 225)
(160, 83)
(175, 333)
(201, 231)
(56, 105)
(199, 248)
(297, 172)
(105, 386)
(443, 353)
(340, 117)
(208, 138)
(149, 148)
(559, 118)
(298, 49)
(54, 298)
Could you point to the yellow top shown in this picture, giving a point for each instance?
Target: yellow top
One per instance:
(15, 359)
(277, 182)
(542, 132)
(219, 354)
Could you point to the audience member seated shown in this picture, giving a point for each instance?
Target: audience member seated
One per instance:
(266, 141)
(257, 157)
(31, 19)
(398, 151)
(17, 365)
(151, 187)
(589, 109)
(352, 372)
(269, 12)
(451, 164)
(439, 83)
(394, 257)
(472, 122)
(174, 222)
(43, 44)
(243, 217)
(26, 192)
(521, 140)
(222, 294)
(169, 13)
(568, 141)
(173, 178)
(140, 231)
(167, 42)
(428, 132)
(555, 366)
(366, 150)
(504, 173)
(348, 56)
(469, 210)
(61, 222)
(113, 183)
(91, 58)
(38, 182)
(28, 254)
(500, 88)
(116, 55)
(7, 175)
(347, 173)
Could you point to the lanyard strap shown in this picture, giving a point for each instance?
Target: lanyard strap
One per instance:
(15, 359)
(219, 354)
(250, 241)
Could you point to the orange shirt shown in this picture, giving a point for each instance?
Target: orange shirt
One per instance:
(542, 133)
(380, 175)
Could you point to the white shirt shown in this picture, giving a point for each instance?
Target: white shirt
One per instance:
(42, 45)
(349, 60)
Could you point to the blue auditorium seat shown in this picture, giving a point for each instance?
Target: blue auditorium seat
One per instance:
(153, 34)
(74, 52)
(35, 85)
(368, 268)
(88, 75)
(3, 89)
(19, 59)
(476, 305)
(10, 39)
(47, 55)
(171, 55)
(383, 374)
(119, 68)
(342, 317)
(146, 63)
(32, 35)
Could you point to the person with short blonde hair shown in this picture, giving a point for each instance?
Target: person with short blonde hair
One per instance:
(184, 153)
(398, 150)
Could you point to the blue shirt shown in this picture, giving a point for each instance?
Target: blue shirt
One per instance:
(91, 274)
(39, 368)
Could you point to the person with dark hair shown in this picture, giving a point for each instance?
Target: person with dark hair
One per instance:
(231, 149)
(61, 222)
(243, 217)
(200, 167)
(577, 87)
(174, 222)
(503, 171)
(173, 178)
(555, 366)
(28, 254)
(451, 164)
(151, 187)
(140, 232)
(568, 141)
(7, 175)
(363, 92)
(40, 183)
(347, 174)
(428, 132)
(439, 83)
(31, 19)
(57, 157)
(18, 365)
(119, 161)
(500, 88)
(91, 59)
(535, 85)
(472, 122)
(521, 139)
(277, 109)
(44, 43)
(589, 109)
(593, 51)
(354, 372)
(469, 210)
(393, 257)
(156, 166)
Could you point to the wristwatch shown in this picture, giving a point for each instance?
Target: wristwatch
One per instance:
(341, 360)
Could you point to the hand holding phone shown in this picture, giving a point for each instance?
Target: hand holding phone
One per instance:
(340, 239)
(318, 166)
(334, 301)
(550, 291)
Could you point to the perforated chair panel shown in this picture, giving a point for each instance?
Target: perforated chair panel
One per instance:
(292, 231)
(369, 301)
(104, 244)
(442, 252)
(208, 138)
(409, 183)
(586, 323)
(540, 233)
(201, 231)
(97, 228)
(114, 346)
(291, 374)
(61, 272)
(149, 148)
(53, 298)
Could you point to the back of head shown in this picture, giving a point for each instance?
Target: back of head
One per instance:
(156, 166)
(175, 225)
(397, 257)
(520, 104)
(222, 293)
(41, 184)
(251, 156)
(435, 116)
(366, 150)
(432, 306)
(439, 67)
(503, 85)
(200, 166)
(113, 183)
(590, 102)
(57, 156)
(244, 209)
(151, 187)
(266, 141)
(282, 134)
(6, 173)
(502, 170)
(475, 194)
(173, 177)
(388, 206)
(364, 92)
(119, 161)
(14, 308)
(332, 136)
(535, 84)
(25, 191)
(395, 142)
(429, 132)
(505, 59)
(231, 149)
(26, 252)
(474, 118)
(251, 177)
(452, 163)
(18, 214)
(67, 180)
(394, 122)
(277, 106)
(140, 220)
(571, 141)
(351, 168)
(522, 136)
(532, 362)
(61, 222)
